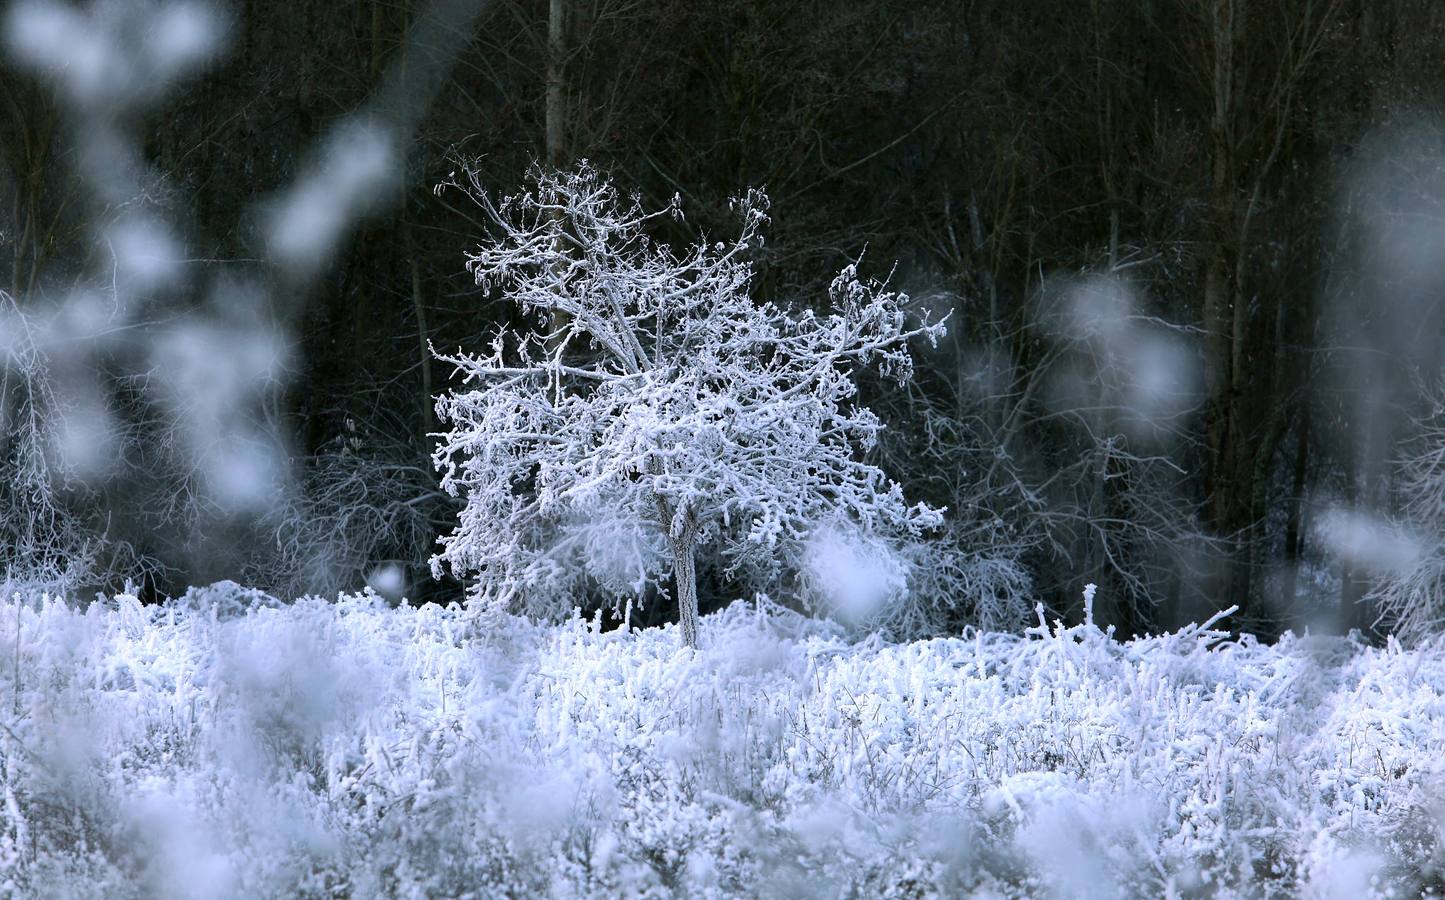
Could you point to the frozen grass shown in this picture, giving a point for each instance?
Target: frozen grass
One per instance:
(224, 746)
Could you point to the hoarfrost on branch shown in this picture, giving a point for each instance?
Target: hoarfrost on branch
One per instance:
(657, 400)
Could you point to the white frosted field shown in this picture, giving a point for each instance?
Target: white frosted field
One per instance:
(226, 746)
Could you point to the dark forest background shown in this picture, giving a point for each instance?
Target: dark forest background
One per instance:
(1260, 181)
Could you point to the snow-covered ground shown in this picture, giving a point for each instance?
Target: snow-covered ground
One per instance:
(220, 748)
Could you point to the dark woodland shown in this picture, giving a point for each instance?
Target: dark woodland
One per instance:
(1260, 181)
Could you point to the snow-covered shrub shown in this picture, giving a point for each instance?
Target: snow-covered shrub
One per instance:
(976, 569)
(1411, 591)
(950, 579)
(656, 391)
(360, 513)
(911, 588)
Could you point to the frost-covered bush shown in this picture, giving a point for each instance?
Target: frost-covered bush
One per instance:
(952, 578)
(658, 397)
(227, 746)
(359, 508)
(1411, 592)
(910, 587)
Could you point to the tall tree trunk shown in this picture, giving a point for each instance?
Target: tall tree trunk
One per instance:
(1229, 491)
(1293, 529)
(1353, 583)
(423, 334)
(555, 138)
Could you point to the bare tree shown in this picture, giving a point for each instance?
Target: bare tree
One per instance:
(49, 538)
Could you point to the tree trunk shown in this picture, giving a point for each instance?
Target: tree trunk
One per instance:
(1352, 582)
(681, 531)
(423, 334)
(1229, 491)
(684, 575)
(1293, 528)
(555, 136)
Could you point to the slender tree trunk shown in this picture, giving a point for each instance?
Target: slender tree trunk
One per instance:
(681, 531)
(418, 302)
(684, 574)
(1229, 492)
(555, 138)
(1293, 531)
(1352, 582)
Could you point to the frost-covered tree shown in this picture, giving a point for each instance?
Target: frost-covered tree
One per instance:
(51, 537)
(657, 408)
